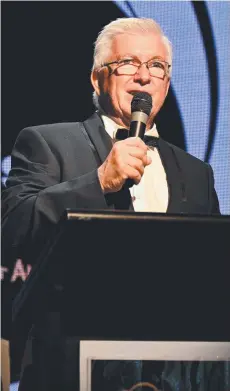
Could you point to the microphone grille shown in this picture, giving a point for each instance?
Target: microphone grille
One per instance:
(141, 102)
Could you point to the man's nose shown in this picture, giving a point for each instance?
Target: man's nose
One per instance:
(142, 75)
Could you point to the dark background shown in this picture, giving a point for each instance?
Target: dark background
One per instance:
(47, 54)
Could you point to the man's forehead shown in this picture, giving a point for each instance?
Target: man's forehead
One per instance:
(137, 35)
(132, 43)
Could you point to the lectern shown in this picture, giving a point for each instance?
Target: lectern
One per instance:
(125, 276)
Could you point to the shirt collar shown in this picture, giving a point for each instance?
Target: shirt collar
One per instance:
(111, 127)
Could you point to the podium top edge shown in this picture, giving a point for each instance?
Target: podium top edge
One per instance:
(119, 215)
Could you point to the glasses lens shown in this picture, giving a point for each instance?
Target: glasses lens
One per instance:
(157, 68)
(126, 69)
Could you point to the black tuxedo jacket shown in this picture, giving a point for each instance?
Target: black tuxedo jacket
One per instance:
(54, 167)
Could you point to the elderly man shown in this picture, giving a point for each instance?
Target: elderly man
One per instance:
(79, 165)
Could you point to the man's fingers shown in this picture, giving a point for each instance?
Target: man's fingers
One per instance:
(135, 141)
(133, 173)
(141, 155)
(137, 152)
(147, 160)
(127, 159)
(137, 164)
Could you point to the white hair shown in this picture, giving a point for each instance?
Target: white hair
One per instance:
(103, 44)
(104, 41)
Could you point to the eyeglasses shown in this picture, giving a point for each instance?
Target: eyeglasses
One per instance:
(157, 68)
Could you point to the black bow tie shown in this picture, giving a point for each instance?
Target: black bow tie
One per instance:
(151, 141)
(123, 133)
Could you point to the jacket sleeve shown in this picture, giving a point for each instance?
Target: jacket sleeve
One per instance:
(34, 199)
(214, 207)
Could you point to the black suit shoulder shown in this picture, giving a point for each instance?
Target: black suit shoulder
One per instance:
(54, 127)
(56, 131)
(186, 157)
(198, 175)
(64, 140)
(194, 169)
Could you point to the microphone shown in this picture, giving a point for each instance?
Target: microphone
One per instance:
(141, 106)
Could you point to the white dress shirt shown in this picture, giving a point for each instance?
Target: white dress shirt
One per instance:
(151, 194)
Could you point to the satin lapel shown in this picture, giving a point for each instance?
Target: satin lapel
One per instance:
(103, 145)
(98, 135)
(177, 203)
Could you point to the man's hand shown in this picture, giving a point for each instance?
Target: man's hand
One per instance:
(127, 159)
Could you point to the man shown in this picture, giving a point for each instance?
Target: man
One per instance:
(81, 165)
(76, 165)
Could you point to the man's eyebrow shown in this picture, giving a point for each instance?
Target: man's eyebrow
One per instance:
(127, 55)
(132, 56)
(157, 58)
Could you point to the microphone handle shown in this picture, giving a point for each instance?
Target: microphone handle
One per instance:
(137, 129)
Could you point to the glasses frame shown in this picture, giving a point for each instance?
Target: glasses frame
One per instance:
(111, 71)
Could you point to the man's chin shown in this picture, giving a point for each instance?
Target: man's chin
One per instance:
(126, 119)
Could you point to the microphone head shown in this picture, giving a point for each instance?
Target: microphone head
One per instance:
(141, 101)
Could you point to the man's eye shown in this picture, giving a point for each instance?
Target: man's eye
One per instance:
(156, 64)
(127, 61)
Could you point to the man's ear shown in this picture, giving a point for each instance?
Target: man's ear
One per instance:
(95, 81)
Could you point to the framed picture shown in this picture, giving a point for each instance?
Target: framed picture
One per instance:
(158, 366)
